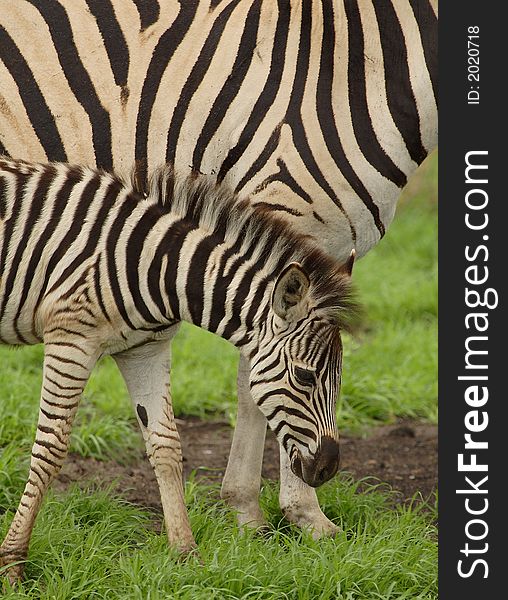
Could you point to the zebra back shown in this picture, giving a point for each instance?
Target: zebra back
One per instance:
(189, 250)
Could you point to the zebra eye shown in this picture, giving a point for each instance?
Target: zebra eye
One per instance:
(304, 376)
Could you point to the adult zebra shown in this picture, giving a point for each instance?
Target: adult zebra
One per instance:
(318, 110)
(96, 269)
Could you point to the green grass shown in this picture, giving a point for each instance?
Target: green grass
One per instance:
(97, 546)
(392, 370)
(94, 545)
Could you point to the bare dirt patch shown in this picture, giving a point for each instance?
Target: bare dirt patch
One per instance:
(403, 455)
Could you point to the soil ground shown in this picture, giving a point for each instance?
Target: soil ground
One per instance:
(403, 455)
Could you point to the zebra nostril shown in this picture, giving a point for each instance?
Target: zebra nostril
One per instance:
(318, 469)
(326, 463)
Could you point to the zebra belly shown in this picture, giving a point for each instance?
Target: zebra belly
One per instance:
(18, 299)
(18, 324)
(132, 339)
(18, 330)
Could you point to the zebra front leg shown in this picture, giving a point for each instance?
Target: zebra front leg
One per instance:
(67, 365)
(299, 502)
(146, 372)
(242, 479)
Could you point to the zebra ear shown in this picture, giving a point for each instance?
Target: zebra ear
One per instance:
(290, 291)
(347, 267)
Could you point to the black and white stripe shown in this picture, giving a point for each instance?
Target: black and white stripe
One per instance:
(319, 110)
(90, 267)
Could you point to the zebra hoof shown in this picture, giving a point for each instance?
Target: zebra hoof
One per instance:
(188, 552)
(259, 528)
(248, 514)
(327, 529)
(318, 524)
(10, 574)
(252, 521)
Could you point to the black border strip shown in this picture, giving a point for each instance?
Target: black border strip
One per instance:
(465, 128)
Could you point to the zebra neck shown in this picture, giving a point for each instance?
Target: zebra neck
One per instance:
(193, 275)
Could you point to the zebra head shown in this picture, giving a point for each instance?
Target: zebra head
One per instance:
(296, 371)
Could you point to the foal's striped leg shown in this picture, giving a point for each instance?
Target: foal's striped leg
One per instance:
(146, 372)
(67, 366)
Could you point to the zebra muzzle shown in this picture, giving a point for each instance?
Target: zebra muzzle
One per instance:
(321, 467)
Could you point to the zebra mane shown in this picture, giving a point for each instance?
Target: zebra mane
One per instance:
(217, 208)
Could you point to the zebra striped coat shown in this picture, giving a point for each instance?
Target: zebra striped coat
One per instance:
(318, 109)
(89, 267)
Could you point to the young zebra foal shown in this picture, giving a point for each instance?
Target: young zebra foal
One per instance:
(89, 267)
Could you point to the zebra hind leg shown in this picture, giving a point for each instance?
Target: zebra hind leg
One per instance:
(242, 479)
(67, 365)
(146, 371)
